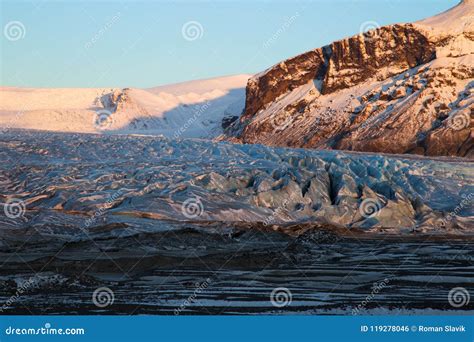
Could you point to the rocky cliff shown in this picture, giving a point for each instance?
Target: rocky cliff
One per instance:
(404, 88)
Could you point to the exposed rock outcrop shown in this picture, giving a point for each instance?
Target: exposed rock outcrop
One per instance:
(404, 88)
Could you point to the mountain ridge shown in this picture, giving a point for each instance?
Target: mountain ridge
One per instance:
(402, 88)
(193, 109)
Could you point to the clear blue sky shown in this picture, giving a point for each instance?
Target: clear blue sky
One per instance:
(141, 44)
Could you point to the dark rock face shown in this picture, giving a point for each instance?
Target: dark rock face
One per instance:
(356, 59)
(281, 78)
(228, 120)
(342, 64)
(445, 141)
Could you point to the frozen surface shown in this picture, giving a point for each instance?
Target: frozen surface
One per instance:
(114, 211)
(70, 177)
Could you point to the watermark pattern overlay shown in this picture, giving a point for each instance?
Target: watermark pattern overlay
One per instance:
(192, 30)
(369, 30)
(19, 114)
(281, 30)
(197, 113)
(376, 288)
(103, 297)
(28, 285)
(100, 33)
(103, 119)
(460, 120)
(199, 288)
(281, 297)
(192, 208)
(14, 208)
(465, 202)
(150, 181)
(459, 297)
(14, 30)
(101, 211)
(370, 207)
(278, 211)
(281, 121)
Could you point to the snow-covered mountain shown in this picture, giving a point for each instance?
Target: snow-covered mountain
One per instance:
(194, 109)
(404, 88)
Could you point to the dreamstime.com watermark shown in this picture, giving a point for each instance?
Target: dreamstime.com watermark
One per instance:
(102, 31)
(46, 330)
(376, 288)
(199, 288)
(466, 202)
(282, 29)
(100, 212)
(278, 211)
(13, 121)
(198, 112)
(26, 286)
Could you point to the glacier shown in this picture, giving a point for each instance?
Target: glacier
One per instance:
(153, 219)
(76, 176)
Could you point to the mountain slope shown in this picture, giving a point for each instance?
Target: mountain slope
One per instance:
(404, 88)
(191, 109)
